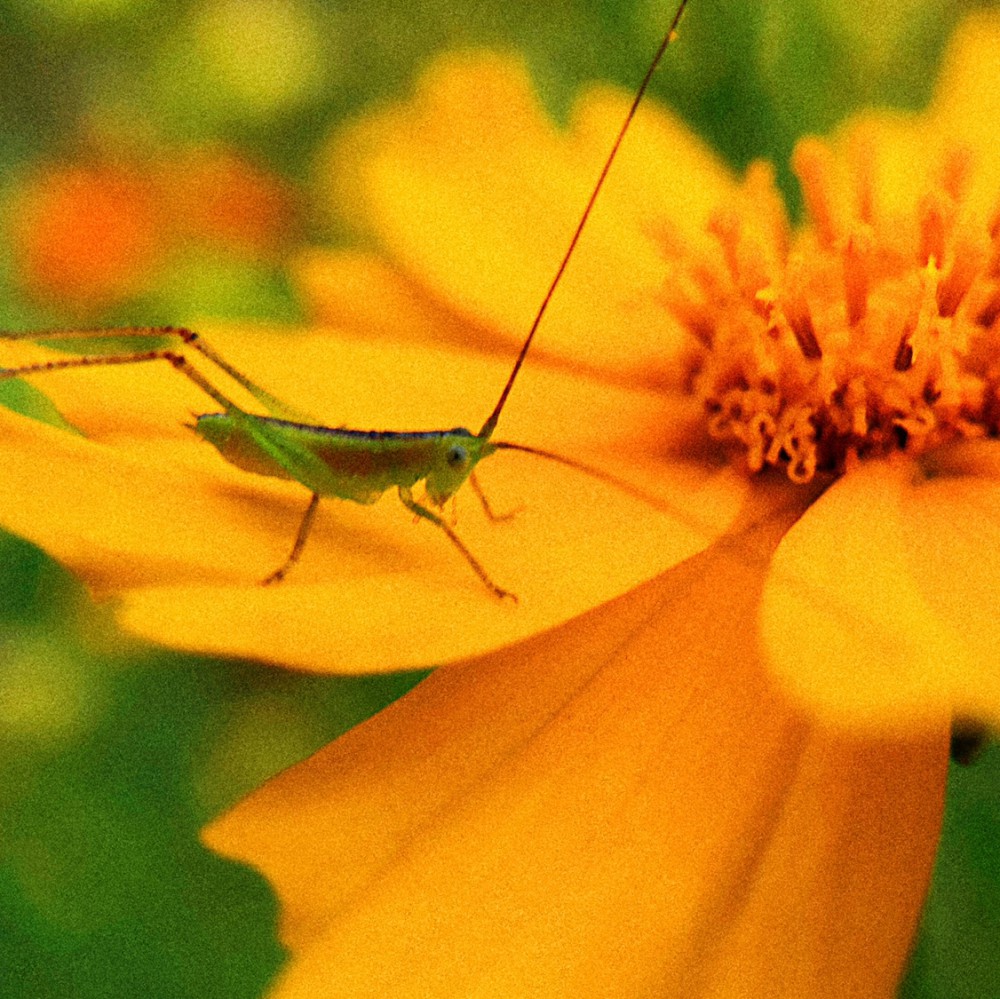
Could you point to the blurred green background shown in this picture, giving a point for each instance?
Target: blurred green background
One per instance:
(114, 754)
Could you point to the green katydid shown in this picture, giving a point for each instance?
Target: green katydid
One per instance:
(357, 465)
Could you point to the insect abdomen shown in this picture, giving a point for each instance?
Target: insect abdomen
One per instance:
(238, 446)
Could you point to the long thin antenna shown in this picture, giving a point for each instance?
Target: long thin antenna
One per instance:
(602, 476)
(490, 425)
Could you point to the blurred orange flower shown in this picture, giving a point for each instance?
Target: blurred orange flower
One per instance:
(219, 196)
(706, 754)
(88, 236)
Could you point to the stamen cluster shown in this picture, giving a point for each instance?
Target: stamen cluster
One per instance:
(858, 334)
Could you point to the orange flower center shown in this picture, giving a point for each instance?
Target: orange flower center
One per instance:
(855, 336)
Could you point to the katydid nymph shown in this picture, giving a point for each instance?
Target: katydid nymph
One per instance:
(346, 464)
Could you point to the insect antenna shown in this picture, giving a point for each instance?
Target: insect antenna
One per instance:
(609, 478)
(490, 425)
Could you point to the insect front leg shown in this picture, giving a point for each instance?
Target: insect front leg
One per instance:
(491, 514)
(406, 495)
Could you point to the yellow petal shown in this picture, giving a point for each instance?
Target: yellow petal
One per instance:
(475, 194)
(122, 517)
(376, 592)
(879, 609)
(621, 806)
(365, 294)
(899, 154)
(896, 154)
(967, 102)
(183, 539)
(951, 527)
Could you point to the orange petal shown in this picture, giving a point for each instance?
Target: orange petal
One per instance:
(623, 802)
(184, 538)
(217, 194)
(476, 195)
(880, 606)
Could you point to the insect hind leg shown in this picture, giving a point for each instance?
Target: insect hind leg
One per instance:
(188, 337)
(178, 361)
(421, 511)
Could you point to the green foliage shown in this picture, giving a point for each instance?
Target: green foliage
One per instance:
(115, 757)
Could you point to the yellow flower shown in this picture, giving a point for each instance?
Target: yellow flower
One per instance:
(625, 805)
(727, 779)
(630, 804)
(858, 352)
(143, 511)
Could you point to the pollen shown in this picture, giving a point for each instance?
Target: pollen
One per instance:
(861, 332)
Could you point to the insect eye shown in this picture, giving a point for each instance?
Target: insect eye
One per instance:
(457, 456)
